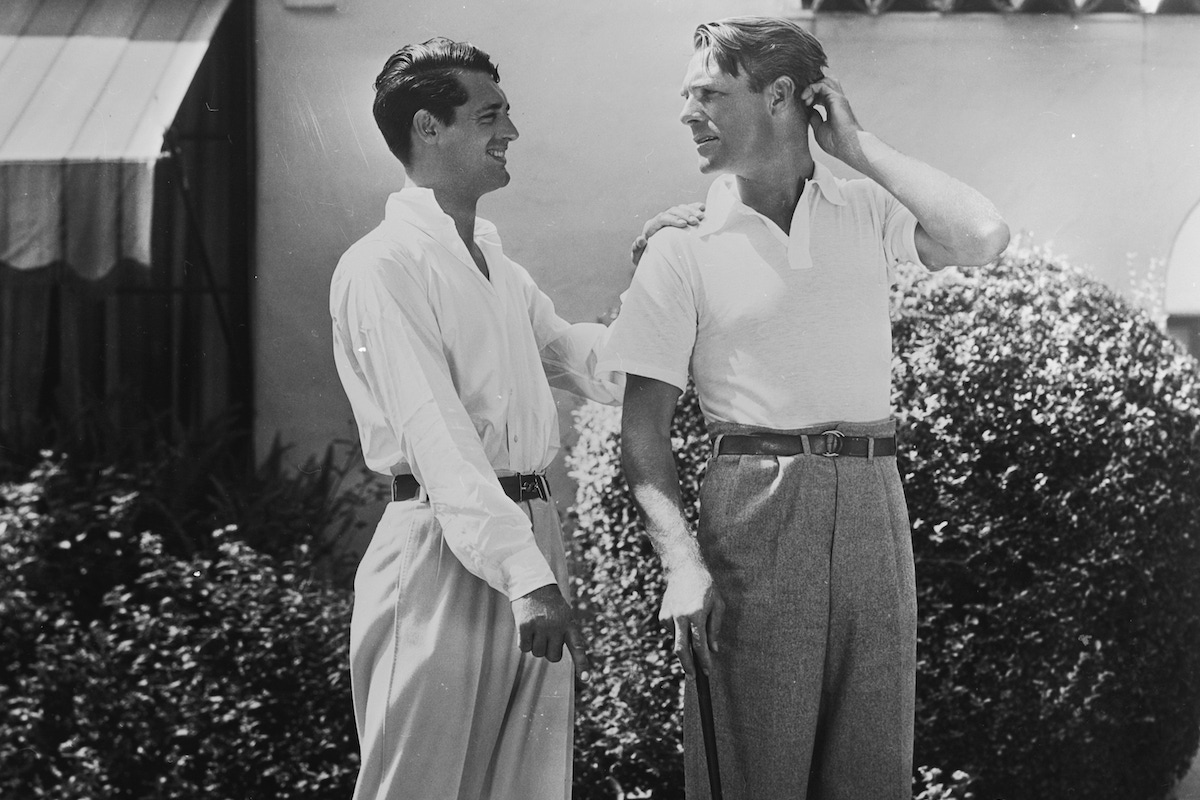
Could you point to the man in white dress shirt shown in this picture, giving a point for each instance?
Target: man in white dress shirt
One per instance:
(447, 351)
(797, 592)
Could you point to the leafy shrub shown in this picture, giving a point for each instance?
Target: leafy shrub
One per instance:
(1052, 464)
(1051, 458)
(930, 783)
(627, 734)
(142, 659)
(190, 484)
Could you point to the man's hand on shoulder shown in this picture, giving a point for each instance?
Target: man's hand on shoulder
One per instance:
(679, 216)
(545, 623)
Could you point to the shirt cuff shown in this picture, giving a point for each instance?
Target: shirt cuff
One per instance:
(644, 370)
(910, 240)
(525, 572)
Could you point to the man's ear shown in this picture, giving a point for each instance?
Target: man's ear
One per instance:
(782, 94)
(425, 126)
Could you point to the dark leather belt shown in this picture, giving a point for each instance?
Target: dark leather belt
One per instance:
(831, 444)
(518, 487)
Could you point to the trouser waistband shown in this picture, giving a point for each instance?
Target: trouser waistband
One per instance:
(831, 444)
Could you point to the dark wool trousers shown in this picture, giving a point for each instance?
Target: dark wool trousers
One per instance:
(813, 686)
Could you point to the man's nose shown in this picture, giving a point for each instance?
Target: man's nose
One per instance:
(510, 131)
(690, 112)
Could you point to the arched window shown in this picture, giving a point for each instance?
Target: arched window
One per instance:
(1183, 284)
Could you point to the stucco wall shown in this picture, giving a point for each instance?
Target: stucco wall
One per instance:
(1085, 132)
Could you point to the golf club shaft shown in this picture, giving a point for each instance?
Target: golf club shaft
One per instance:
(704, 696)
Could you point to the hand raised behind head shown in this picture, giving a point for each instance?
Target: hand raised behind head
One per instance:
(837, 131)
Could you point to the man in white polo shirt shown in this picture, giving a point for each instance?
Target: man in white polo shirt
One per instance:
(797, 592)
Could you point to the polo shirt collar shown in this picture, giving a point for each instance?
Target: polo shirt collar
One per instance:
(724, 201)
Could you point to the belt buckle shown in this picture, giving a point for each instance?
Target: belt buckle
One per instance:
(833, 443)
(533, 485)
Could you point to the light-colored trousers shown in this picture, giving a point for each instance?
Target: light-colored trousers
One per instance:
(447, 706)
(813, 686)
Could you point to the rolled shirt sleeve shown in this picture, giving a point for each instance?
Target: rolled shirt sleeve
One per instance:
(899, 230)
(655, 332)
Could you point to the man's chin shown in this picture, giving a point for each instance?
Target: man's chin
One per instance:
(499, 183)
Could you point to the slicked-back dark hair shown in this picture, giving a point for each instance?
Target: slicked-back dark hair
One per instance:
(424, 76)
(765, 48)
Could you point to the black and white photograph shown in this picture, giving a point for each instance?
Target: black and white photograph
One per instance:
(640, 400)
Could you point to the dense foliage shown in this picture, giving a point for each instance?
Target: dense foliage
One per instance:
(627, 735)
(1052, 465)
(148, 653)
(1051, 456)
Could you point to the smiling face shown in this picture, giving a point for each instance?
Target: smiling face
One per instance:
(474, 146)
(729, 122)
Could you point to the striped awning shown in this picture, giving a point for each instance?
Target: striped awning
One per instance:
(88, 89)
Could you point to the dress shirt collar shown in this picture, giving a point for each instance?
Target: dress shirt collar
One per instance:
(724, 202)
(417, 206)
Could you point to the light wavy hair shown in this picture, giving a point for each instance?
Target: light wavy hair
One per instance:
(765, 48)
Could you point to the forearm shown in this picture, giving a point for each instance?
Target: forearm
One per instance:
(650, 470)
(691, 599)
(965, 226)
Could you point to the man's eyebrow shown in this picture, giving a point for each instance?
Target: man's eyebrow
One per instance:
(493, 106)
(701, 85)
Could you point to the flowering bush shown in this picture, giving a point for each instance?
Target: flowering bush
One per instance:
(138, 664)
(1051, 457)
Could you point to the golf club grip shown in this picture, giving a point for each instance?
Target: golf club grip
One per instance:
(704, 696)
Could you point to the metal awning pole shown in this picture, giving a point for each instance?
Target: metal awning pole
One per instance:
(193, 224)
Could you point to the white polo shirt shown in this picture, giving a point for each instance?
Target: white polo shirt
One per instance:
(779, 330)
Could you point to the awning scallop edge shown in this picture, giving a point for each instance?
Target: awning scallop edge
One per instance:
(91, 89)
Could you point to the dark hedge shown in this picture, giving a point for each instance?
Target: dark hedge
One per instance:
(147, 656)
(1051, 456)
(1052, 464)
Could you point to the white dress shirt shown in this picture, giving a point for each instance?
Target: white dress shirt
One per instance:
(779, 329)
(448, 373)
